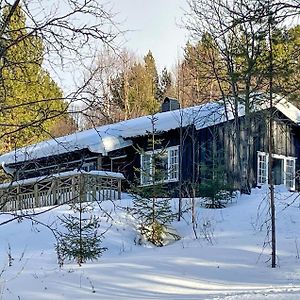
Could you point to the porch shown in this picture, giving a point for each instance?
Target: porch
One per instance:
(61, 188)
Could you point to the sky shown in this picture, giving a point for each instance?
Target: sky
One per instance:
(153, 25)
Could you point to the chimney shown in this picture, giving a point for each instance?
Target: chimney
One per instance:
(170, 104)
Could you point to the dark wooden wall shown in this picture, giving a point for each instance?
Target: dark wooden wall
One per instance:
(196, 148)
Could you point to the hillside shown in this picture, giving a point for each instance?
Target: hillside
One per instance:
(227, 261)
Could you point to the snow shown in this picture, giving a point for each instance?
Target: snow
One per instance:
(96, 140)
(289, 110)
(227, 261)
(34, 180)
(111, 137)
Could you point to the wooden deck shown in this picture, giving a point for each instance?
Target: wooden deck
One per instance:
(59, 189)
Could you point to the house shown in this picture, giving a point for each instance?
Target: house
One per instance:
(190, 138)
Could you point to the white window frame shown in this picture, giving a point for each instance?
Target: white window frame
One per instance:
(148, 170)
(285, 159)
(173, 166)
(261, 182)
(173, 163)
(291, 186)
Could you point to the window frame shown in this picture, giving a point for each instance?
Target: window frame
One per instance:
(89, 166)
(285, 159)
(170, 162)
(266, 171)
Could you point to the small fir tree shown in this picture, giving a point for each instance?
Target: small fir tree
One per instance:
(153, 212)
(81, 240)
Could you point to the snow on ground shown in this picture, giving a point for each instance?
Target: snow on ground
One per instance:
(227, 261)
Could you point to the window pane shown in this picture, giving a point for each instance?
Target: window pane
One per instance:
(290, 173)
(262, 169)
(90, 166)
(173, 164)
(161, 166)
(145, 168)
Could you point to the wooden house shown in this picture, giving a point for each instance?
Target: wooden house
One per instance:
(191, 138)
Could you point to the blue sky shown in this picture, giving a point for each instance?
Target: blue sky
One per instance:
(150, 24)
(153, 25)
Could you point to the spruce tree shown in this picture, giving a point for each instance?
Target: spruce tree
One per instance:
(153, 212)
(165, 85)
(213, 186)
(81, 239)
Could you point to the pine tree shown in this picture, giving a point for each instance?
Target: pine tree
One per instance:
(30, 98)
(153, 213)
(197, 74)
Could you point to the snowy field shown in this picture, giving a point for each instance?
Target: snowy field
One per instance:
(227, 261)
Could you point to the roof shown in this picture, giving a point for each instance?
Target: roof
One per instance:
(34, 180)
(115, 136)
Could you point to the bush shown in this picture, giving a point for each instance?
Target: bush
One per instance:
(215, 192)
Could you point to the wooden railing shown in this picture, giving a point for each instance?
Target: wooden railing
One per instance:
(60, 188)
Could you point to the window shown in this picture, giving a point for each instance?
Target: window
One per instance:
(283, 169)
(145, 168)
(88, 166)
(262, 168)
(173, 164)
(290, 173)
(166, 161)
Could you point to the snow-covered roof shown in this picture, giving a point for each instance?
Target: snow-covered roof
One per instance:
(115, 136)
(33, 180)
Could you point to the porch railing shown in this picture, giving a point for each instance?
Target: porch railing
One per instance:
(60, 188)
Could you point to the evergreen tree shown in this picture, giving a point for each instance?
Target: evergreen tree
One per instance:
(136, 89)
(286, 62)
(31, 100)
(199, 72)
(213, 186)
(154, 213)
(165, 85)
(81, 240)
(151, 76)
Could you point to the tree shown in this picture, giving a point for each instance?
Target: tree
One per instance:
(165, 87)
(196, 73)
(51, 36)
(81, 240)
(56, 36)
(257, 58)
(241, 46)
(122, 87)
(213, 186)
(151, 79)
(143, 86)
(286, 61)
(154, 213)
(64, 125)
(24, 86)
